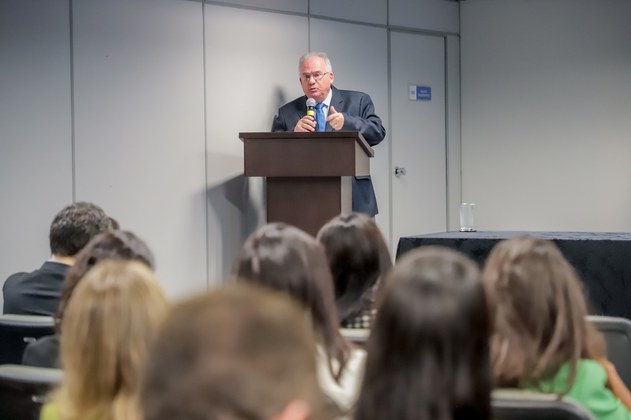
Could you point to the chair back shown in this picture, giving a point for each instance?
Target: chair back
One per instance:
(358, 336)
(23, 390)
(17, 331)
(514, 404)
(617, 333)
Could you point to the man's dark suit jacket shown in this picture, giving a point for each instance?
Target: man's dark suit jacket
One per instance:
(359, 115)
(35, 293)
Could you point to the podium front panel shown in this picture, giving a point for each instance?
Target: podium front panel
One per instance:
(305, 157)
(307, 203)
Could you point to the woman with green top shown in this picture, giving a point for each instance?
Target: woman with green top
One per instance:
(542, 340)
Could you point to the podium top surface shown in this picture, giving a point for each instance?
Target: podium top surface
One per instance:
(310, 136)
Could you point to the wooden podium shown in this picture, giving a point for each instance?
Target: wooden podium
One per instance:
(308, 175)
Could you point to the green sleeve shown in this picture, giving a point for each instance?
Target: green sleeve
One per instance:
(49, 412)
(590, 391)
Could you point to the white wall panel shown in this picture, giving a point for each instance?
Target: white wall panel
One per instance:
(297, 6)
(546, 114)
(139, 126)
(359, 55)
(454, 148)
(430, 15)
(35, 128)
(369, 11)
(251, 69)
(419, 141)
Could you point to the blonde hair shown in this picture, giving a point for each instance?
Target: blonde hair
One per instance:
(108, 325)
(539, 310)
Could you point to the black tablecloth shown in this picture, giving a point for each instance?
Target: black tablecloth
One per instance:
(602, 260)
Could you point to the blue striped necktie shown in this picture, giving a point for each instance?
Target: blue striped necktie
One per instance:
(320, 117)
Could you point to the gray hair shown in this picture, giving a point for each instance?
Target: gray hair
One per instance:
(322, 55)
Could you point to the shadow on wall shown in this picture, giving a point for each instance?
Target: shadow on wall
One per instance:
(233, 215)
(280, 97)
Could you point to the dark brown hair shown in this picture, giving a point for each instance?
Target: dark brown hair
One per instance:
(428, 352)
(287, 259)
(112, 245)
(358, 257)
(74, 226)
(539, 310)
(237, 352)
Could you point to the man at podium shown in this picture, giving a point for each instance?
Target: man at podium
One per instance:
(326, 108)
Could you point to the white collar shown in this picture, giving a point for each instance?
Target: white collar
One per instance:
(327, 100)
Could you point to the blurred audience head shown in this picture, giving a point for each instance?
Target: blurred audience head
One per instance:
(114, 223)
(539, 310)
(237, 352)
(108, 326)
(74, 226)
(358, 257)
(112, 245)
(428, 352)
(286, 259)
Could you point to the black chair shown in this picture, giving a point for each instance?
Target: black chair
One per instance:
(509, 404)
(17, 331)
(24, 389)
(617, 333)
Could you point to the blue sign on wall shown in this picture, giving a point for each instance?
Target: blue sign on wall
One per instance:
(419, 93)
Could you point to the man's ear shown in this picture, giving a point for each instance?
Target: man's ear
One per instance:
(294, 410)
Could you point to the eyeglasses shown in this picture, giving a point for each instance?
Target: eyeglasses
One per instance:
(317, 76)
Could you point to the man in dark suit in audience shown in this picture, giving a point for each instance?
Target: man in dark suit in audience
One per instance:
(345, 110)
(38, 292)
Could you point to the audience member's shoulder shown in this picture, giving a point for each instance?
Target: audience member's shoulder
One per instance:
(34, 293)
(12, 280)
(298, 102)
(345, 92)
(51, 270)
(52, 273)
(357, 360)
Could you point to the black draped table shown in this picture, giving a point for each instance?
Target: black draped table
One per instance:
(601, 259)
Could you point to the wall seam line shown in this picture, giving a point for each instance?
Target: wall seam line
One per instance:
(72, 106)
(205, 110)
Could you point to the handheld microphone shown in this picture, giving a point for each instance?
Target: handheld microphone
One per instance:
(311, 103)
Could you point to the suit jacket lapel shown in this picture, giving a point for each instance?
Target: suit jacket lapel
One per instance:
(337, 101)
(301, 109)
